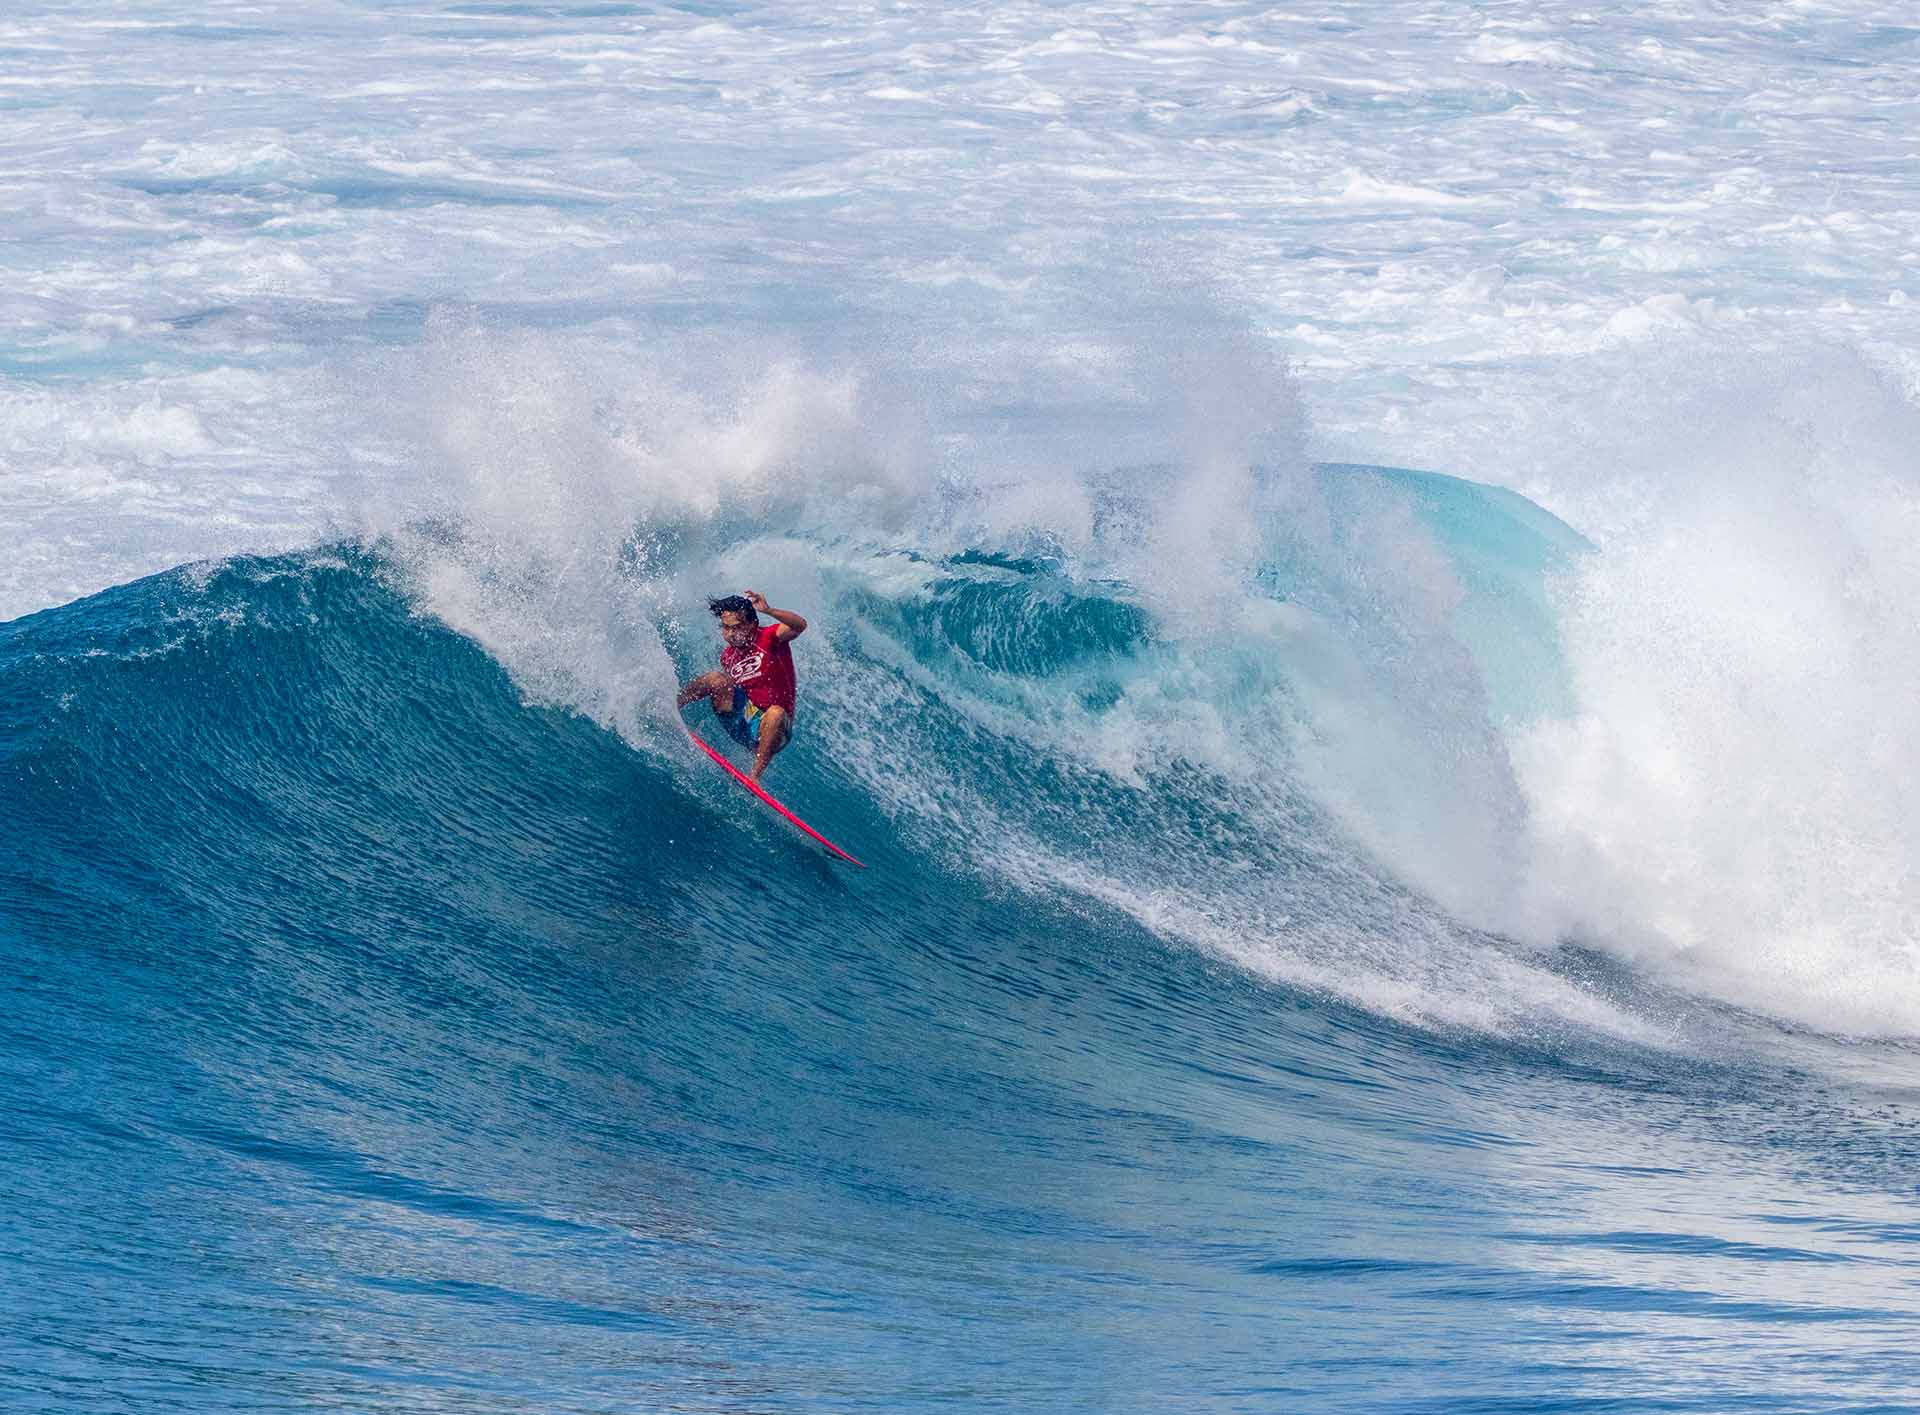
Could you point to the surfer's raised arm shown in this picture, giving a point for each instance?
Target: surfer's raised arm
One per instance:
(789, 621)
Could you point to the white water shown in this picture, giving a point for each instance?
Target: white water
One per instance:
(278, 271)
(1739, 793)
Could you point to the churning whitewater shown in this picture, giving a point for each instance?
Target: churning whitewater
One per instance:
(1359, 570)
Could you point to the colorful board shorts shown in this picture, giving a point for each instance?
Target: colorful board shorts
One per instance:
(743, 723)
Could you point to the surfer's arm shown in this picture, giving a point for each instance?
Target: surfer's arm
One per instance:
(791, 622)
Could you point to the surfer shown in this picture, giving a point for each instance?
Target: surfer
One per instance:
(752, 691)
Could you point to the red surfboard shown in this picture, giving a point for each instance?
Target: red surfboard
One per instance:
(761, 791)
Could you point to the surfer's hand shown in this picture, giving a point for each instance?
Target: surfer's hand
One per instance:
(756, 599)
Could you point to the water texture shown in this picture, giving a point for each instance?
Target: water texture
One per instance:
(1361, 567)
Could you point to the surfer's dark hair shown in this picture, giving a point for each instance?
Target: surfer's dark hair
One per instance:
(739, 604)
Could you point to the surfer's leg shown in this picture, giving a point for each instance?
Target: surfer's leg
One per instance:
(716, 688)
(775, 728)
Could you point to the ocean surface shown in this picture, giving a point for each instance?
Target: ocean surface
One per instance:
(1362, 566)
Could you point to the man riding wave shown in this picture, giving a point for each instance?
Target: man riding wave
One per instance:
(753, 690)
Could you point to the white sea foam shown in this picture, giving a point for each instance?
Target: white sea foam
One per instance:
(1737, 798)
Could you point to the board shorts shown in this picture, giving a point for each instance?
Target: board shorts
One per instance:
(743, 723)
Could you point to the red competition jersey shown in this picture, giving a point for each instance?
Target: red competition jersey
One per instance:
(765, 670)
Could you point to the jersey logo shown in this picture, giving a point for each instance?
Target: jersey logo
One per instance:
(747, 667)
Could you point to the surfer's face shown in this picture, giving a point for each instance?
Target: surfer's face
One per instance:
(735, 630)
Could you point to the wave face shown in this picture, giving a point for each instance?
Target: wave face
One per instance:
(401, 1016)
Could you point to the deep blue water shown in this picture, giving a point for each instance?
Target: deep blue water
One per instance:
(378, 1039)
